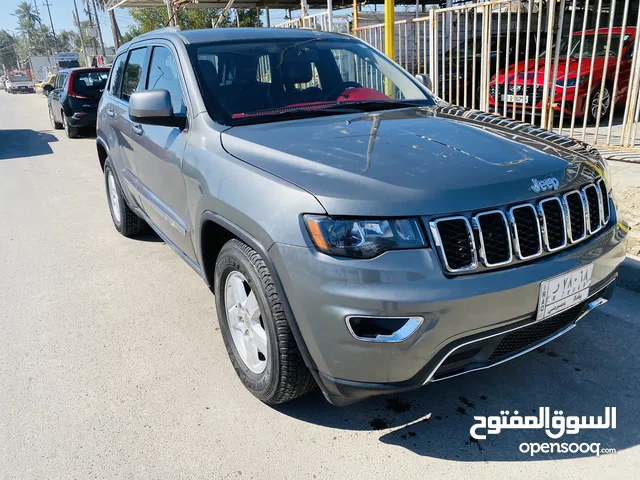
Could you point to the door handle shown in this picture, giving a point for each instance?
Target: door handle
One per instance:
(137, 128)
(111, 112)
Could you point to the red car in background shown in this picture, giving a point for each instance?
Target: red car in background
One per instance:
(524, 82)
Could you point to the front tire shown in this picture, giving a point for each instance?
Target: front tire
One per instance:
(594, 100)
(54, 123)
(124, 219)
(255, 328)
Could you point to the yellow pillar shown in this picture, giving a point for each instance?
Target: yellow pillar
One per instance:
(389, 30)
(354, 23)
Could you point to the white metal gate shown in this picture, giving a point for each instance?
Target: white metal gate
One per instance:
(569, 66)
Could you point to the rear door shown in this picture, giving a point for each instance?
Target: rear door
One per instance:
(114, 116)
(54, 96)
(159, 150)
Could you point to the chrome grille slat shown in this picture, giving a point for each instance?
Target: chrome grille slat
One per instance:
(498, 237)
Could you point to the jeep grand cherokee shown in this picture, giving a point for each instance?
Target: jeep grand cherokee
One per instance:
(358, 233)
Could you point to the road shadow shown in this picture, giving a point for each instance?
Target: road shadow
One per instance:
(25, 143)
(590, 368)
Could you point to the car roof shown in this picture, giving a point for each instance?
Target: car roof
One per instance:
(230, 34)
(605, 31)
(81, 69)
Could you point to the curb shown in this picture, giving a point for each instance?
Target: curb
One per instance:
(629, 273)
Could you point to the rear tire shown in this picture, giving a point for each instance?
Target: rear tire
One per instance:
(124, 219)
(275, 372)
(72, 132)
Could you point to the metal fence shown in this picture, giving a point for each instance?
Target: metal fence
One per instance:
(569, 66)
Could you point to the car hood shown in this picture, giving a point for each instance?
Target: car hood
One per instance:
(415, 161)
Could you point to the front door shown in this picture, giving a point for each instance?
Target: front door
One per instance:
(158, 155)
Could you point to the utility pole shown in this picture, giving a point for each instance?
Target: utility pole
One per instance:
(44, 36)
(53, 30)
(95, 9)
(93, 39)
(77, 20)
(115, 31)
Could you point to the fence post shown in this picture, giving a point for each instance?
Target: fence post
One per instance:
(389, 30)
(354, 23)
(433, 57)
(551, 10)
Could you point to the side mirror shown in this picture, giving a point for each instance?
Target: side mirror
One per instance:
(424, 80)
(153, 107)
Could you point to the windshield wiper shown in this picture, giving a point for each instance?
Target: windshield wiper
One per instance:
(340, 108)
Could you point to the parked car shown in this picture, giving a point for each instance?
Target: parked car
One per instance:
(19, 83)
(45, 87)
(73, 102)
(357, 235)
(530, 83)
(504, 50)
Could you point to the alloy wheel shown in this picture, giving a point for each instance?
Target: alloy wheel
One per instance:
(113, 197)
(245, 322)
(606, 102)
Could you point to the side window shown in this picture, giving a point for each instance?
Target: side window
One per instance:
(60, 80)
(163, 75)
(263, 73)
(117, 71)
(132, 73)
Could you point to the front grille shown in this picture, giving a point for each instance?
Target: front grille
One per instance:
(553, 227)
(495, 242)
(575, 215)
(593, 207)
(455, 239)
(527, 91)
(526, 231)
(605, 200)
(526, 337)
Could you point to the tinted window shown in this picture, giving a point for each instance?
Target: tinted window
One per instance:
(132, 73)
(257, 79)
(60, 80)
(18, 78)
(90, 84)
(163, 75)
(116, 75)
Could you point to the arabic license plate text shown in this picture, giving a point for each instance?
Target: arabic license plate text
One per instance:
(517, 98)
(564, 291)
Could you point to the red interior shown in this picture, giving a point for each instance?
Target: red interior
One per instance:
(349, 95)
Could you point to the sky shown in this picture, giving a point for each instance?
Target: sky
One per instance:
(62, 16)
(63, 19)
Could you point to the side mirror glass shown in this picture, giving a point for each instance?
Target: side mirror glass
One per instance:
(424, 80)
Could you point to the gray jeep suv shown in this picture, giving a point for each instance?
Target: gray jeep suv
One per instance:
(357, 232)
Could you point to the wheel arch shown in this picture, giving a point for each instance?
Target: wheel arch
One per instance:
(103, 152)
(209, 248)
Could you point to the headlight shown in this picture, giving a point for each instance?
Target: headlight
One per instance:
(571, 82)
(363, 238)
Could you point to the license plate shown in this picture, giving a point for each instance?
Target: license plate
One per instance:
(516, 98)
(564, 291)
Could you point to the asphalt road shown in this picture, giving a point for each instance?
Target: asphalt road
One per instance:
(112, 364)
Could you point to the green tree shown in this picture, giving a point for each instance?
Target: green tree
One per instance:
(7, 50)
(147, 19)
(248, 17)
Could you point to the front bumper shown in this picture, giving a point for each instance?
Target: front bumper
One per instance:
(460, 313)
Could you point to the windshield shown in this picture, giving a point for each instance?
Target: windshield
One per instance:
(242, 80)
(90, 84)
(587, 48)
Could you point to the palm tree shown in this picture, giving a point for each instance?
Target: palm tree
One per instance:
(28, 20)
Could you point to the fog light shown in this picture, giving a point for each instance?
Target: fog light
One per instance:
(382, 329)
